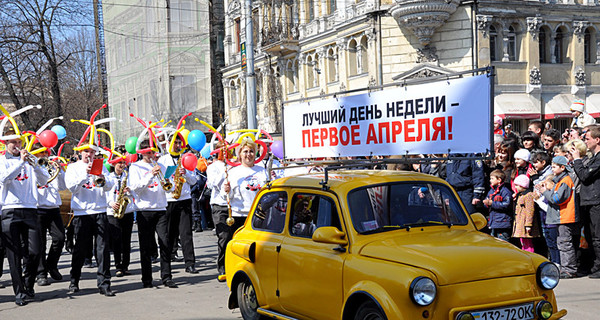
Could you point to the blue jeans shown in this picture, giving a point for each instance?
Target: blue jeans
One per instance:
(551, 234)
(502, 234)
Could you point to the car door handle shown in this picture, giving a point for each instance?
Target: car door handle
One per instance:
(340, 249)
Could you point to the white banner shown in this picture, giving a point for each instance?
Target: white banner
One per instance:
(449, 116)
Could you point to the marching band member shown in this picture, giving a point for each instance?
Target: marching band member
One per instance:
(215, 174)
(49, 218)
(88, 202)
(120, 228)
(20, 229)
(179, 211)
(151, 203)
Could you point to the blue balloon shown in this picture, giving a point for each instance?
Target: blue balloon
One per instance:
(196, 140)
(205, 152)
(60, 131)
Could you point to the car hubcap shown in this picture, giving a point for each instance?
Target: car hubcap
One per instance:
(250, 297)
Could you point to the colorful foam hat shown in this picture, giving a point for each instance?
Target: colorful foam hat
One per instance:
(148, 132)
(10, 117)
(173, 134)
(92, 134)
(578, 105)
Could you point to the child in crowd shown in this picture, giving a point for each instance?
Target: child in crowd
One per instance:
(549, 219)
(526, 226)
(522, 157)
(498, 200)
(561, 198)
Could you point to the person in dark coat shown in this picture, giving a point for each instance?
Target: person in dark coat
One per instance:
(499, 202)
(467, 178)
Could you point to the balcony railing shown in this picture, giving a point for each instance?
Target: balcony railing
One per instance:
(280, 38)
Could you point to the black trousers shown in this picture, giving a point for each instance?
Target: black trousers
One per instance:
(180, 225)
(86, 226)
(148, 222)
(21, 238)
(224, 232)
(591, 223)
(120, 240)
(50, 221)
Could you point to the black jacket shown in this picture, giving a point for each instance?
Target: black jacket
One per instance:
(589, 176)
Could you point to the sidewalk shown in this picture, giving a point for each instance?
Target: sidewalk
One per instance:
(199, 296)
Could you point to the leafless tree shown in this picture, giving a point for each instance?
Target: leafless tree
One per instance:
(33, 34)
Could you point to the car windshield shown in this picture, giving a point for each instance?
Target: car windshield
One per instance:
(404, 205)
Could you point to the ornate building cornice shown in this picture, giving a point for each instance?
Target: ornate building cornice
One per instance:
(535, 76)
(422, 17)
(580, 77)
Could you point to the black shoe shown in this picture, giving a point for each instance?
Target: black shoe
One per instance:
(119, 273)
(155, 259)
(73, 288)
(87, 263)
(30, 293)
(106, 292)
(191, 269)
(176, 258)
(170, 283)
(42, 281)
(148, 285)
(55, 274)
(20, 302)
(595, 275)
(199, 230)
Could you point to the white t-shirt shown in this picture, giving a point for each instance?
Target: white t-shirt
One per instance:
(245, 183)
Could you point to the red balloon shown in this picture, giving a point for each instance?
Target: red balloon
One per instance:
(189, 161)
(48, 138)
(131, 158)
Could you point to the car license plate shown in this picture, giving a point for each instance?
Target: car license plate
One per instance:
(519, 312)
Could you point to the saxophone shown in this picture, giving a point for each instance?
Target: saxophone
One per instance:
(122, 200)
(179, 181)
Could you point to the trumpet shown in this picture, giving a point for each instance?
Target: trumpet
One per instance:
(100, 182)
(33, 160)
(165, 183)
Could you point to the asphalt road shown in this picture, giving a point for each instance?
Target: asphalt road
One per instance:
(199, 296)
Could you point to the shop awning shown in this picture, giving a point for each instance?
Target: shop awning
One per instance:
(557, 105)
(516, 106)
(592, 105)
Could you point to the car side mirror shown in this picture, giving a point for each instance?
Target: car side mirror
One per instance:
(330, 235)
(479, 220)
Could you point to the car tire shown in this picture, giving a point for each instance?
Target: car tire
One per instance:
(246, 297)
(369, 310)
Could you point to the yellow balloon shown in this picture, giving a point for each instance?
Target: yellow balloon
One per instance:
(185, 133)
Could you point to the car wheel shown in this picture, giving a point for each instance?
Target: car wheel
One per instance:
(369, 311)
(246, 297)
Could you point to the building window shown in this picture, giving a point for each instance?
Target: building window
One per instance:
(493, 43)
(560, 46)
(363, 56)
(512, 44)
(332, 73)
(352, 65)
(544, 44)
(332, 6)
(183, 94)
(590, 45)
(310, 10)
(310, 75)
(181, 16)
(236, 32)
(232, 94)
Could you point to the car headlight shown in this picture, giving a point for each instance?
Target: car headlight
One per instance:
(548, 275)
(422, 291)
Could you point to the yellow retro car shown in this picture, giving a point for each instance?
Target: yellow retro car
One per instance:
(371, 244)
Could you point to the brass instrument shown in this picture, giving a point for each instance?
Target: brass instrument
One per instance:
(100, 182)
(122, 200)
(165, 183)
(52, 167)
(179, 181)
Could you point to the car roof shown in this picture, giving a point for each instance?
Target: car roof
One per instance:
(340, 180)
